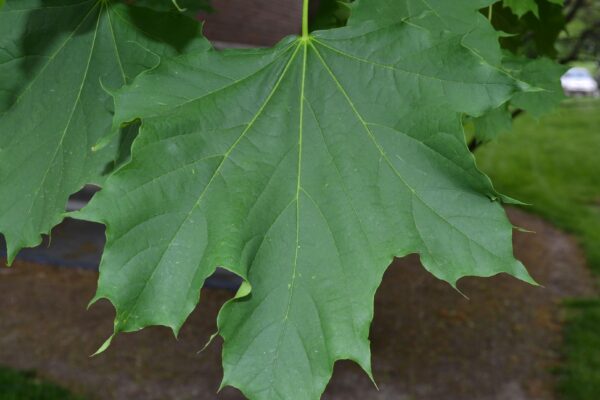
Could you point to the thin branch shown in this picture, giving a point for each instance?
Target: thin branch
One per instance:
(574, 9)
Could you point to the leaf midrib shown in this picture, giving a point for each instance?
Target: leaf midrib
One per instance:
(292, 287)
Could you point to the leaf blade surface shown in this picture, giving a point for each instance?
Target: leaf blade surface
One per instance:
(304, 169)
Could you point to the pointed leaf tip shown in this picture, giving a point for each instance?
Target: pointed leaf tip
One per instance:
(104, 346)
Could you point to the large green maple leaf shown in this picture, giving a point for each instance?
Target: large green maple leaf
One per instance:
(305, 169)
(55, 56)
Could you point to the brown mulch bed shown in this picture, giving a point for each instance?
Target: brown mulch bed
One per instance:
(428, 341)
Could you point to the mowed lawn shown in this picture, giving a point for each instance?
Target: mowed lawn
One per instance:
(554, 165)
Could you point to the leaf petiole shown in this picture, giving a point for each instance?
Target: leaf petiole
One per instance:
(178, 7)
(305, 18)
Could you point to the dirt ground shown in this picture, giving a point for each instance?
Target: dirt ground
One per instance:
(428, 341)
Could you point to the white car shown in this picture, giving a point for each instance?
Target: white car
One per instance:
(579, 81)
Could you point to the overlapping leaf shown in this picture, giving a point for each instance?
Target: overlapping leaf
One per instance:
(522, 7)
(442, 16)
(492, 124)
(331, 14)
(529, 34)
(544, 75)
(305, 169)
(55, 55)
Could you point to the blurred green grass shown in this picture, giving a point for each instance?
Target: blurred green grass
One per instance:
(24, 385)
(554, 165)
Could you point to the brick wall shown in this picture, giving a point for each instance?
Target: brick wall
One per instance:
(253, 22)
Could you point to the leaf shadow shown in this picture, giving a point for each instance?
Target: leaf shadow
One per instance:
(51, 28)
